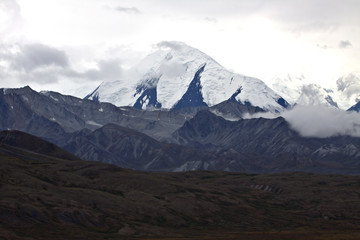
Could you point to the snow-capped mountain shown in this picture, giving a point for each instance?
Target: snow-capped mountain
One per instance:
(178, 76)
(348, 88)
(298, 91)
(314, 94)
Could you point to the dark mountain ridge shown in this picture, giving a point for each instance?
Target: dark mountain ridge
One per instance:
(268, 138)
(200, 138)
(355, 108)
(131, 149)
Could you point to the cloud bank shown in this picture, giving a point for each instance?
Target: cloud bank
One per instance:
(322, 122)
(33, 56)
(319, 121)
(36, 63)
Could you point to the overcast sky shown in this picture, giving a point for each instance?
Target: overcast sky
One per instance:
(62, 45)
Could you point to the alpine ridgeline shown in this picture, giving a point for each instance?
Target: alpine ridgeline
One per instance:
(179, 76)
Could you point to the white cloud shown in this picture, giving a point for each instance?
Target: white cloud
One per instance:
(170, 44)
(10, 17)
(318, 121)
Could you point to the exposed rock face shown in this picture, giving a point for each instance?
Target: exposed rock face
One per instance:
(355, 108)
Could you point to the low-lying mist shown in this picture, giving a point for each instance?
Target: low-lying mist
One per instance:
(318, 121)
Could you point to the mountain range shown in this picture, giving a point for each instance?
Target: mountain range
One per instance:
(189, 138)
(177, 75)
(179, 110)
(203, 139)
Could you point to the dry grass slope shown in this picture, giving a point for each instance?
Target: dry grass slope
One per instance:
(45, 197)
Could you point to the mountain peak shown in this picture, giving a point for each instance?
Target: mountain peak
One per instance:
(177, 76)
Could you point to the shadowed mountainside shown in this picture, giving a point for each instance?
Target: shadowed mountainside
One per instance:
(24, 141)
(355, 108)
(273, 140)
(205, 140)
(131, 149)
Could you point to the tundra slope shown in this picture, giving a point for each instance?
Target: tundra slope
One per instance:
(54, 195)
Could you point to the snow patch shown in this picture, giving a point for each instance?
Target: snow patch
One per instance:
(189, 166)
(93, 123)
(25, 98)
(54, 98)
(5, 91)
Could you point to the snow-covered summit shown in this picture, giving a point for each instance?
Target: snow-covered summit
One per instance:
(297, 90)
(348, 88)
(177, 76)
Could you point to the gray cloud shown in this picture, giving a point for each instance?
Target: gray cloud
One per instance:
(345, 44)
(26, 63)
(130, 10)
(42, 64)
(342, 44)
(32, 56)
(211, 20)
(107, 70)
(323, 46)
